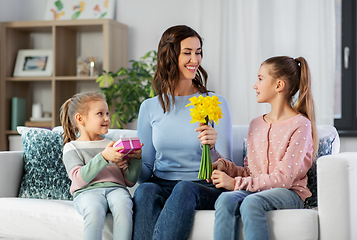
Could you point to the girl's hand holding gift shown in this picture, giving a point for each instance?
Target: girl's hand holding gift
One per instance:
(111, 153)
(137, 153)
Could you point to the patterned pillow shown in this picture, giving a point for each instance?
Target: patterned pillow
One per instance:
(244, 148)
(325, 148)
(45, 176)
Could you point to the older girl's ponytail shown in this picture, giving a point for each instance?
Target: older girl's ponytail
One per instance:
(305, 102)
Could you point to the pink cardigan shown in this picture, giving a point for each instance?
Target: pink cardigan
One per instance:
(278, 156)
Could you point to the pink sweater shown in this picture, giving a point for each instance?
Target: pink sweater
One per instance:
(278, 156)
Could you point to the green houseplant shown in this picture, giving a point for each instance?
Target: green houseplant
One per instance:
(126, 89)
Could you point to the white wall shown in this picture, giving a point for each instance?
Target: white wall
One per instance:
(20, 10)
(348, 144)
(147, 20)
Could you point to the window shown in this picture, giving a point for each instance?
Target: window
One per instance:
(345, 90)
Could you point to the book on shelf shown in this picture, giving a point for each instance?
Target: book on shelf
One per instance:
(47, 124)
(18, 112)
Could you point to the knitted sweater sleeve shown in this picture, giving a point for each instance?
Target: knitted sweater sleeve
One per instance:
(132, 172)
(233, 170)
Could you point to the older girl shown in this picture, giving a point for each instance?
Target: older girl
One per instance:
(280, 150)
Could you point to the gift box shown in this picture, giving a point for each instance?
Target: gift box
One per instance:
(129, 144)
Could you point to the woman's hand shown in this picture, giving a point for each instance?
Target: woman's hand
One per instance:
(207, 135)
(222, 180)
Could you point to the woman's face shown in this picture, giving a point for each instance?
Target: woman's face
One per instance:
(190, 58)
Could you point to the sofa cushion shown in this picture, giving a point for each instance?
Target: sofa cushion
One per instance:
(25, 219)
(292, 224)
(45, 176)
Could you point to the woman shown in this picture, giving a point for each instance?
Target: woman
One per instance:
(169, 194)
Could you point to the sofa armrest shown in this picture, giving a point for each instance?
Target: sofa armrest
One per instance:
(337, 195)
(11, 170)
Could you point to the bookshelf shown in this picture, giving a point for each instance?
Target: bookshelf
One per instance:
(64, 37)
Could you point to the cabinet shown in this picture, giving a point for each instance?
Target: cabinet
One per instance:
(64, 38)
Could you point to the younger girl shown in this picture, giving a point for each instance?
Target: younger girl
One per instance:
(280, 150)
(97, 183)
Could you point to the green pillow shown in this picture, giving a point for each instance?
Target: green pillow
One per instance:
(45, 176)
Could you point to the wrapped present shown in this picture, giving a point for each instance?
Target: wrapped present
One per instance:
(129, 144)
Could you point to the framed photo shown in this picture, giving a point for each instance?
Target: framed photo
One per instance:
(33, 63)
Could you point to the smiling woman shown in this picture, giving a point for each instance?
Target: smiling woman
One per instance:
(170, 191)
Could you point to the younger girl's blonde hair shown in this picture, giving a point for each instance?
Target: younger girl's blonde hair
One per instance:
(296, 73)
(79, 103)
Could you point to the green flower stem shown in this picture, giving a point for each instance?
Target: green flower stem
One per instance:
(206, 163)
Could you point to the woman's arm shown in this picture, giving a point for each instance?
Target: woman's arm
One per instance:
(148, 150)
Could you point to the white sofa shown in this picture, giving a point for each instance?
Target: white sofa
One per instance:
(22, 218)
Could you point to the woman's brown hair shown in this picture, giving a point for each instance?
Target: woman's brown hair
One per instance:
(79, 103)
(296, 73)
(167, 72)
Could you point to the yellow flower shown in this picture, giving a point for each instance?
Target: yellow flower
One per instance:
(205, 110)
(194, 100)
(205, 107)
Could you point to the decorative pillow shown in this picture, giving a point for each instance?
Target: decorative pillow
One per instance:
(45, 176)
(244, 148)
(325, 148)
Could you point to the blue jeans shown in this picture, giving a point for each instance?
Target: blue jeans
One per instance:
(165, 209)
(93, 205)
(252, 207)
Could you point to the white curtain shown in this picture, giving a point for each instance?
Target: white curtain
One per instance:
(240, 34)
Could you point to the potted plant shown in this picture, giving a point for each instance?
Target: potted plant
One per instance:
(126, 89)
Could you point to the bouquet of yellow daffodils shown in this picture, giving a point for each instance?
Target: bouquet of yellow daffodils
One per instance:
(206, 110)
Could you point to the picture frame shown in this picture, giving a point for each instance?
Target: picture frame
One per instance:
(84, 9)
(33, 63)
